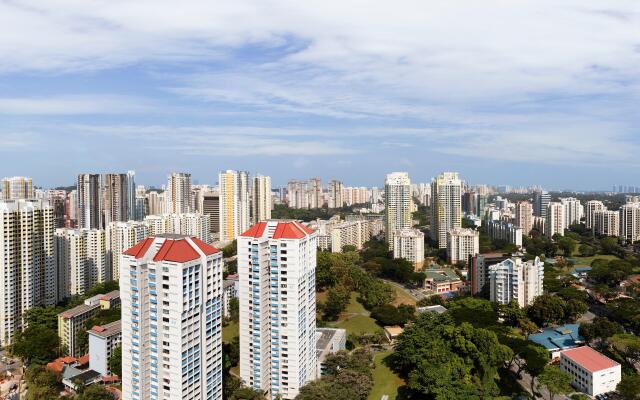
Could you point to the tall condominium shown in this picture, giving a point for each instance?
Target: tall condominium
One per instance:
(462, 243)
(89, 201)
(556, 221)
(573, 210)
(190, 224)
(119, 204)
(591, 208)
(607, 223)
(171, 293)
(27, 262)
(336, 199)
(81, 259)
(211, 207)
(524, 216)
(409, 244)
(541, 201)
(235, 215)
(630, 222)
(446, 211)
(513, 279)
(121, 236)
(178, 196)
(155, 203)
(397, 197)
(276, 264)
(298, 194)
(315, 193)
(16, 188)
(261, 198)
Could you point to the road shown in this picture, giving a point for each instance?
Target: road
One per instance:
(525, 381)
(416, 294)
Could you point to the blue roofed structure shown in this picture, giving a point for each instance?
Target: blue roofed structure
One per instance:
(559, 338)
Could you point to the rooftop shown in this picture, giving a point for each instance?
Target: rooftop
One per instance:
(278, 229)
(114, 294)
(78, 310)
(441, 275)
(173, 248)
(589, 359)
(562, 337)
(107, 330)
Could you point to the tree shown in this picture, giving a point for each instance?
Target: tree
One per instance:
(546, 309)
(628, 346)
(555, 381)
(115, 361)
(511, 312)
(230, 250)
(567, 245)
(234, 309)
(610, 273)
(586, 251)
(573, 309)
(536, 359)
(527, 326)
(41, 383)
(43, 316)
(93, 392)
(390, 315)
(36, 344)
(600, 329)
(337, 300)
(629, 387)
(246, 393)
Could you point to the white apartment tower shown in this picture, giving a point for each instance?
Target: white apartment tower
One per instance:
(81, 259)
(446, 209)
(462, 243)
(298, 194)
(315, 193)
(336, 199)
(630, 222)
(513, 279)
(555, 219)
(234, 204)
(398, 204)
(178, 197)
(276, 264)
(171, 293)
(524, 216)
(261, 198)
(121, 236)
(27, 262)
(573, 210)
(16, 188)
(607, 223)
(591, 208)
(409, 244)
(118, 200)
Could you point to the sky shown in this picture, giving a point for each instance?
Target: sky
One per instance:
(504, 92)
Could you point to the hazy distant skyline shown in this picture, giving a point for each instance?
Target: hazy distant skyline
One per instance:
(521, 93)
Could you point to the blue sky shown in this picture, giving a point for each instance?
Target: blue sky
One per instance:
(528, 92)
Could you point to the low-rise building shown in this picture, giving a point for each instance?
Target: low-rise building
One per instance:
(558, 339)
(102, 341)
(592, 372)
(350, 233)
(442, 280)
(330, 340)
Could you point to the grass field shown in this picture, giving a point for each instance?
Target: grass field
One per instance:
(384, 380)
(403, 297)
(589, 260)
(355, 319)
(230, 331)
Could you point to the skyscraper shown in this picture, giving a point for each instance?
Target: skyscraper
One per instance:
(89, 201)
(211, 207)
(234, 204)
(298, 194)
(276, 264)
(336, 199)
(524, 216)
(261, 198)
(446, 210)
(590, 210)
(555, 219)
(315, 193)
(119, 204)
(541, 201)
(397, 197)
(513, 279)
(171, 293)
(573, 210)
(630, 222)
(121, 236)
(178, 196)
(81, 260)
(16, 188)
(27, 262)
(132, 196)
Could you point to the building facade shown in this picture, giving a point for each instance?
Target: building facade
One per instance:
(90, 205)
(17, 188)
(121, 236)
(446, 209)
(591, 208)
(630, 222)
(514, 279)
(462, 243)
(555, 222)
(524, 216)
(336, 199)
(81, 260)
(178, 196)
(409, 244)
(592, 372)
(171, 288)
(398, 204)
(234, 204)
(276, 266)
(102, 341)
(261, 199)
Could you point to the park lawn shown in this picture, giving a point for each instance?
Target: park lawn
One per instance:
(384, 380)
(403, 297)
(588, 260)
(354, 306)
(358, 324)
(230, 331)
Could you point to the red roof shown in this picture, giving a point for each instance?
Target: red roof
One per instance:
(140, 249)
(176, 251)
(589, 359)
(205, 248)
(289, 230)
(97, 328)
(256, 230)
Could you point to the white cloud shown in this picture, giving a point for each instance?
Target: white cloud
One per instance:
(73, 105)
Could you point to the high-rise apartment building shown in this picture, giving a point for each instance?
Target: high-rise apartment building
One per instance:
(513, 279)
(81, 259)
(556, 221)
(462, 243)
(89, 201)
(261, 198)
(409, 244)
(276, 264)
(121, 236)
(630, 222)
(541, 200)
(573, 210)
(591, 208)
(446, 210)
(235, 215)
(211, 207)
(398, 204)
(336, 199)
(27, 262)
(119, 202)
(349, 233)
(189, 224)
(178, 195)
(607, 223)
(315, 193)
(298, 194)
(524, 216)
(16, 188)
(155, 203)
(171, 293)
